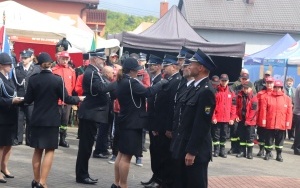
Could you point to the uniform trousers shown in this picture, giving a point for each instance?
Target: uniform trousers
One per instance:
(271, 135)
(219, 133)
(246, 134)
(102, 138)
(261, 135)
(194, 176)
(64, 111)
(291, 132)
(87, 131)
(234, 132)
(24, 111)
(297, 134)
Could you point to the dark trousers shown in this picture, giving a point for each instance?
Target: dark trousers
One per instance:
(291, 132)
(234, 132)
(219, 133)
(162, 164)
(102, 138)
(246, 134)
(87, 132)
(116, 133)
(24, 112)
(297, 134)
(64, 111)
(261, 135)
(271, 135)
(194, 176)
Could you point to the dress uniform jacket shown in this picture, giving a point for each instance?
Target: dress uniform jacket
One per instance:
(193, 135)
(151, 104)
(20, 77)
(45, 110)
(8, 112)
(95, 105)
(164, 105)
(131, 96)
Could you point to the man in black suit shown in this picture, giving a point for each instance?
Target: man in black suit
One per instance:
(92, 111)
(155, 68)
(193, 140)
(20, 77)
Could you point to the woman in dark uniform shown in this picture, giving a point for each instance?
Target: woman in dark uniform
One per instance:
(132, 117)
(8, 114)
(44, 89)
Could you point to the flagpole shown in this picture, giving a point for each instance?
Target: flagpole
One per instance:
(4, 18)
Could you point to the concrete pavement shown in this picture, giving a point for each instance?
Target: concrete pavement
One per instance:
(230, 172)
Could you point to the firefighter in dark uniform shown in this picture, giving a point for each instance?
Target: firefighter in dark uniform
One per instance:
(20, 78)
(92, 111)
(164, 121)
(193, 140)
(155, 68)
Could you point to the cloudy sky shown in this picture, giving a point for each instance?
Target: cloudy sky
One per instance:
(135, 7)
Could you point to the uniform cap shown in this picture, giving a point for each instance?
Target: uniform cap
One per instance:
(270, 79)
(131, 64)
(63, 54)
(5, 59)
(134, 55)
(204, 60)
(188, 56)
(98, 53)
(244, 75)
(183, 51)
(268, 72)
(224, 77)
(113, 54)
(142, 56)
(215, 79)
(278, 83)
(154, 60)
(26, 53)
(170, 60)
(247, 85)
(44, 57)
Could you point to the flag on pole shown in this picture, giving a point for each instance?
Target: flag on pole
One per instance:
(5, 47)
(94, 42)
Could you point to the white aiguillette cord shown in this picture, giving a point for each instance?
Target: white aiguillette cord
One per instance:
(132, 94)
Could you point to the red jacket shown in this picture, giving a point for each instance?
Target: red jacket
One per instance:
(260, 97)
(225, 105)
(69, 77)
(251, 108)
(277, 111)
(78, 86)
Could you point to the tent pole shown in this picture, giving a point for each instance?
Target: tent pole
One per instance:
(285, 70)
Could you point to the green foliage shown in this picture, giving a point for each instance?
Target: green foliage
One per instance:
(117, 22)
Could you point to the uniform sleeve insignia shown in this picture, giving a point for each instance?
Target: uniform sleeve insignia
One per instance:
(207, 109)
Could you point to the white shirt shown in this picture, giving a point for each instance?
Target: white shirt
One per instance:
(189, 82)
(197, 82)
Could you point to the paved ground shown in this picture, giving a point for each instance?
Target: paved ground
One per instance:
(231, 172)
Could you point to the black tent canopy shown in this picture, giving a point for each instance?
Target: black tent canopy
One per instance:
(171, 32)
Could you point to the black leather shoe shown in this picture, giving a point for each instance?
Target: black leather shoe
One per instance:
(152, 185)
(87, 181)
(100, 155)
(114, 186)
(148, 182)
(7, 175)
(39, 185)
(33, 184)
(3, 181)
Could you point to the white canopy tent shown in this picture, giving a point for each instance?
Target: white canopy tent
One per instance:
(23, 21)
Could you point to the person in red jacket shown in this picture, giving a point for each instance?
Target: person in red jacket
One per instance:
(261, 130)
(69, 79)
(224, 114)
(276, 118)
(246, 110)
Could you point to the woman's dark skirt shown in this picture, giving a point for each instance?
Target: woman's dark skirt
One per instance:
(130, 142)
(7, 134)
(44, 137)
